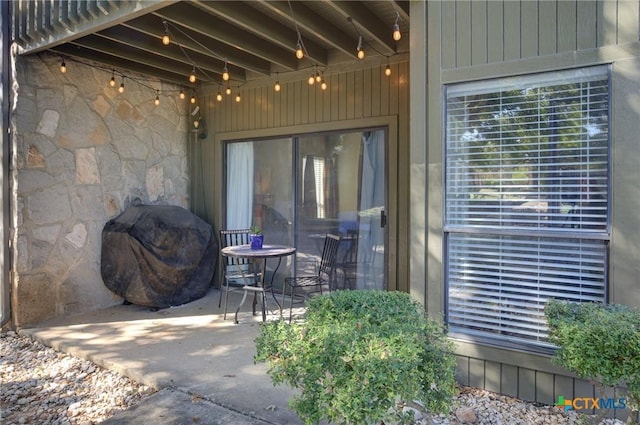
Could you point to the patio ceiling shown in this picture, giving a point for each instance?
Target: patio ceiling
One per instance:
(253, 39)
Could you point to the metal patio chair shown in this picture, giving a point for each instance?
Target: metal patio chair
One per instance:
(236, 272)
(324, 276)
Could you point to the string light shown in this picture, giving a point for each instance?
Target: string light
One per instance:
(219, 97)
(121, 88)
(238, 98)
(387, 71)
(196, 123)
(63, 67)
(360, 48)
(311, 80)
(225, 73)
(323, 85)
(228, 91)
(277, 86)
(165, 38)
(193, 98)
(192, 76)
(299, 52)
(397, 35)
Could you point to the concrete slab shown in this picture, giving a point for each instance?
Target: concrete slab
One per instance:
(172, 407)
(190, 348)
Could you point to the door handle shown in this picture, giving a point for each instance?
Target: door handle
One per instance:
(383, 218)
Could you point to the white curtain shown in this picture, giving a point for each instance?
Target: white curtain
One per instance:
(371, 242)
(239, 185)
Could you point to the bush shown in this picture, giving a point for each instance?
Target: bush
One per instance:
(598, 342)
(358, 356)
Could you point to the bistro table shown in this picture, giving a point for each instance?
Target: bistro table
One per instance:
(265, 253)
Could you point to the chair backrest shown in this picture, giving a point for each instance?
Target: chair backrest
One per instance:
(329, 254)
(232, 238)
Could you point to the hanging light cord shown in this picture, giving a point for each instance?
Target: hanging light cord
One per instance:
(295, 24)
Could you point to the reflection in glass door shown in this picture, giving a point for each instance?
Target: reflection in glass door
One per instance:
(299, 189)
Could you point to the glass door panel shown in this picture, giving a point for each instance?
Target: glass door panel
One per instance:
(259, 192)
(340, 181)
(299, 189)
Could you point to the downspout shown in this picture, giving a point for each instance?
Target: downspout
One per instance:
(5, 142)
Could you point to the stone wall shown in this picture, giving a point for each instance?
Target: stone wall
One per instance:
(82, 152)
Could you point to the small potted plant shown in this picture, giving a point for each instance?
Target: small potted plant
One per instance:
(256, 237)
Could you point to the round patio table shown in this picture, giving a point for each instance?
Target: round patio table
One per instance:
(263, 254)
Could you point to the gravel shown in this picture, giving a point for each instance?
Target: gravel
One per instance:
(43, 386)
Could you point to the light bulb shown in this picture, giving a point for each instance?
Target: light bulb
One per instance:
(157, 101)
(182, 95)
(387, 71)
(360, 49)
(238, 97)
(318, 77)
(277, 86)
(311, 80)
(228, 91)
(323, 86)
(360, 54)
(225, 73)
(193, 99)
(63, 67)
(121, 88)
(219, 97)
(192, 77)
(112, 82)
(166, 40)
(396, 32)
(299, 52)
(196, 123)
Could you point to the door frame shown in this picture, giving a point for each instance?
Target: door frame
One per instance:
(390, 122)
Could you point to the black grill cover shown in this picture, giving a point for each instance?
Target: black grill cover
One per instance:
(158, 255)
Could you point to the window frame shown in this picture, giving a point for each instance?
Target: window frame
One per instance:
(542, 79)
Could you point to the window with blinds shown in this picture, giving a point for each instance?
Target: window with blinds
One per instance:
(526, 200)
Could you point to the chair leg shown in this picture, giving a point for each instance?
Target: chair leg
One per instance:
(220, 298)
(291, 302)
(226, 301)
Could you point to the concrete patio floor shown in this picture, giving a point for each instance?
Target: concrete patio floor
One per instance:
(189, 350)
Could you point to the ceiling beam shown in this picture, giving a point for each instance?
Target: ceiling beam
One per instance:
(131, 54)
(191, 17)
(146, 44)
(111, 62)
(252, 20)
(310, 23)
(196, 42)
(63, 29)
(370, 26)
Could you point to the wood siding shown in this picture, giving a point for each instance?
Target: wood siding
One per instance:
(478, 32)
(483, 39)
(354, 98)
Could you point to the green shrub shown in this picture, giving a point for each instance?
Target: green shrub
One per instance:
(598, 342)
(358, 356)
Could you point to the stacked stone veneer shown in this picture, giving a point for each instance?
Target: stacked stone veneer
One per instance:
(81, 152)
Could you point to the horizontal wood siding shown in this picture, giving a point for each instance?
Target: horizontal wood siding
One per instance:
(476, 32)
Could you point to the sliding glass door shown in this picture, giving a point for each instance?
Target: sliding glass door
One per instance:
(300, 188)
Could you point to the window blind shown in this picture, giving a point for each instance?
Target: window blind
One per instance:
(498, 285)
(526, 199)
